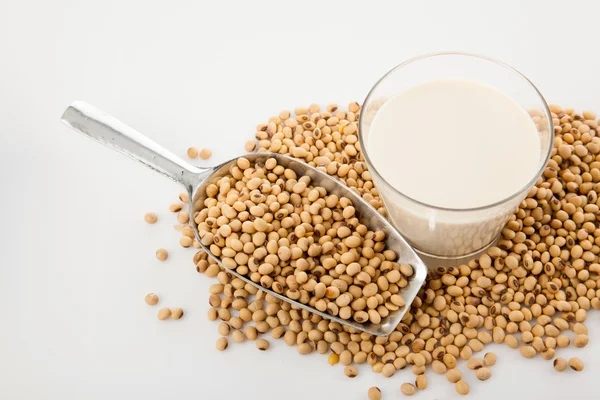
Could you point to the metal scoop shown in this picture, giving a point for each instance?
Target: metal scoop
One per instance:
(109, 131)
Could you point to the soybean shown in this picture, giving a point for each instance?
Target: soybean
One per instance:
(374, 393)
(222, 343)
(560, 364)
(164, 313)
(205, 154)
(150, 218)
(462, 388)
(576, 364)
(162, 254)
(489, 359)
(192, 152)
(262, 344)
(350, 371)
(483, 374)
(421, 382)
(407, 389)
(453, 375)
(151, 299)
(176, 313)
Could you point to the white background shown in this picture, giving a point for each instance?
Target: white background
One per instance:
(76, 258)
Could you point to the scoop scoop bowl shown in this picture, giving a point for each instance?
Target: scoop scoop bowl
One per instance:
(97, 125)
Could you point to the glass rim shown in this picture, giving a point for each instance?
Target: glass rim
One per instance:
(529, 184)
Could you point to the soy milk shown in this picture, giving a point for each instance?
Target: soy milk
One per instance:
(443, 151)
(454, 144)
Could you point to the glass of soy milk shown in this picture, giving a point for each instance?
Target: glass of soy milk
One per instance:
(454, 142)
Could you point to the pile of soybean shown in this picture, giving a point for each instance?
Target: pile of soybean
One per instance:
(532, 291)
(285, 234)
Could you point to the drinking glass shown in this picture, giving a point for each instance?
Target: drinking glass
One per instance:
(447, 236)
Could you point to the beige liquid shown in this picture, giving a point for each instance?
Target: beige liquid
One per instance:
(454, 144)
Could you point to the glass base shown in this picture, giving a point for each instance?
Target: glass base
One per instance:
(433, 261)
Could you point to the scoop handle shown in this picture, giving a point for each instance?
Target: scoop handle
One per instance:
(106, 129)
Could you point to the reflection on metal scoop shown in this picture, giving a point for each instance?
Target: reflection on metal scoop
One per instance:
(109, 131)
